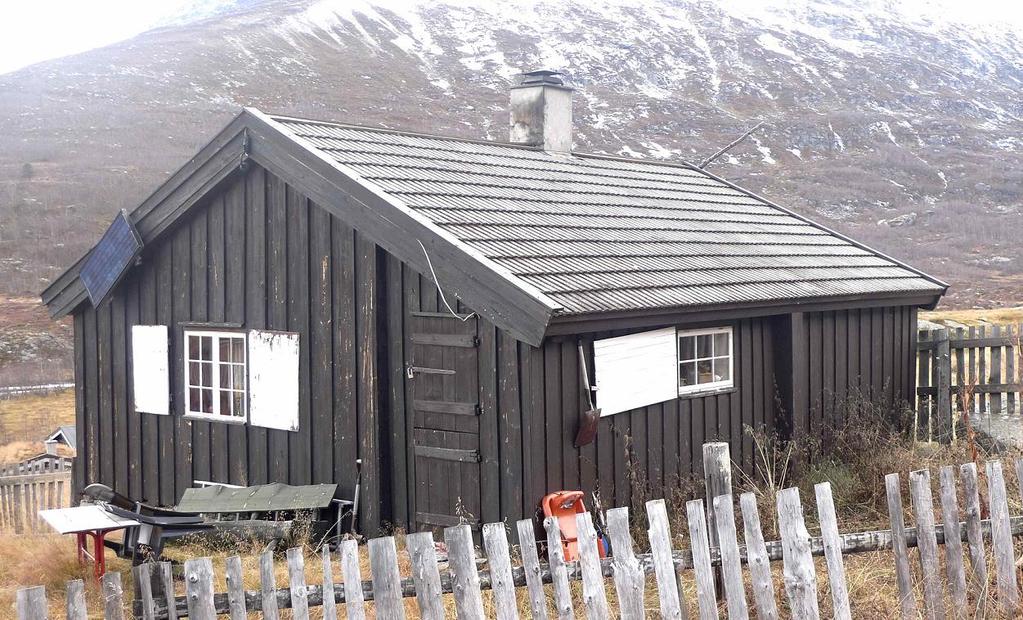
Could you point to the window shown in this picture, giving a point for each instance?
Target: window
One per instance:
(215, 374)
(704, 359)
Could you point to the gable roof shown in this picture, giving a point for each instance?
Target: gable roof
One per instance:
(524, 236)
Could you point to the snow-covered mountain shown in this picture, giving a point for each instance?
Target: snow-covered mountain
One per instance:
(900, 123)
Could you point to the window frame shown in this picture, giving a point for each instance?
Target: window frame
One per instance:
(713, 386)
(215, 386)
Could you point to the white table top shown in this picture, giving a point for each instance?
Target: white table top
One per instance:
(84, 519)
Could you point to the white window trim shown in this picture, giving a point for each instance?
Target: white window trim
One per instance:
(215, 416)
(715, 386)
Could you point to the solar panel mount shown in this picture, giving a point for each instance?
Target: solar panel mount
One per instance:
(110, 260)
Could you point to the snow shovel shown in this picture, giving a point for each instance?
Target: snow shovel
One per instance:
(588, 422)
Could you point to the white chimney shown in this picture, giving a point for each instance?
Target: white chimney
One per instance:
(541, 112)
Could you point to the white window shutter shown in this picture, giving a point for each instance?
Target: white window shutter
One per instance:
(149, 364)
(273, 380)
(636, 370)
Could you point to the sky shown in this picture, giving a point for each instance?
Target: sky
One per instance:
(35, 30)
(32, 31)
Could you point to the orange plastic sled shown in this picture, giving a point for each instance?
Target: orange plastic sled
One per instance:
(565, 505)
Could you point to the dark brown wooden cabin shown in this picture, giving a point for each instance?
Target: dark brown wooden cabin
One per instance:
(313, 264)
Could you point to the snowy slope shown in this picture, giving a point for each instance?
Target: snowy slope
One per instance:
(897, 122)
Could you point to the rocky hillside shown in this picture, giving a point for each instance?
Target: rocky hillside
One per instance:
(898, 123)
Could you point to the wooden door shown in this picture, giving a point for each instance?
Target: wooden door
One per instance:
(445, 442)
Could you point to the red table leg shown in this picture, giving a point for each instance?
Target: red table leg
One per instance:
(80, 547)
(98, 555)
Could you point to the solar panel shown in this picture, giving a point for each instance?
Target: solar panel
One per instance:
(111, 258)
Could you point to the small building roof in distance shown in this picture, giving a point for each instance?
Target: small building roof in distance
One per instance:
(599, 234)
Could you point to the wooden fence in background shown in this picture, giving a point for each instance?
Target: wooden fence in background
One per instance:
(31, 486)
(622, 578)
(987, 361)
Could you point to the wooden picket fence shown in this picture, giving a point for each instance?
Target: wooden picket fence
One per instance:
(30, 486)
(985, 360)
(387, 590)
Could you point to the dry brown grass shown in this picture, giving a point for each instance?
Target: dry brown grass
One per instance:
(997, 316)
(33, 417)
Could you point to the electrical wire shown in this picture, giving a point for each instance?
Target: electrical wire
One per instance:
(440, 290)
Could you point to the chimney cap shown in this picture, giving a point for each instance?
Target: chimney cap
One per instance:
(542, 77)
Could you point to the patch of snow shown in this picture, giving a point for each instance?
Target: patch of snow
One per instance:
(836, 141)
(765, 152)
(772, 43)
(625, 150)
(884, 128)
(798, 153)
(657, 151)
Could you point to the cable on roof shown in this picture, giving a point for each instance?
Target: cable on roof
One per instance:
(440, 290)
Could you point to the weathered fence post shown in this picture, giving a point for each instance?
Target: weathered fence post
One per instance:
(943, 387)
(833, 550)
(423, 556)
(31, 603)
(531, 567)
(495, 540)
(113, 605)
(705, 588)
(199, 589)
(757, 558)
(628, 573)
(76, 600)
(268, 585)
(236, 589)
(927, 542)
(673, 605)
(902, 572)
(383, 561)
(717, 477)
(1001, 539)
(296, 584)
(797, 561)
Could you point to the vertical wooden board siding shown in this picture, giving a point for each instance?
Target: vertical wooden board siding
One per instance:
(670, 439)
(256, 293)
(90, 456)
(815, 377)
(163, 464)
(588, 457)
(509, 428)
(841, 364)
(828, 367)
(489, 425)
(343, 311)
(181, 311)
(853, 349)
(216, 307)
(119, 395)
(300, 452)
(366, 392)
(277, 305)
(744, 371)
(529, 430)
(106, 419)
(552, 401)
(320, 347)
(236, 284)
(199, 284)
(393, 417)
(685, 437)
(909, 392)
(79, 464)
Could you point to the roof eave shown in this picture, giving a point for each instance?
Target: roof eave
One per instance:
(589, 322)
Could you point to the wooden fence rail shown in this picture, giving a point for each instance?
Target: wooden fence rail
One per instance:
(27, 488)
(622, 577)
(986, 361)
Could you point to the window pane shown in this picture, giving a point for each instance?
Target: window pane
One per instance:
(207, 347)
(193, 373)
(687, 373)
(721, 370)
(207, 401)
(225, 402)
(193, 347)
(225, 376)
(721, 344)
(239, 377)
(704, 371)
(238, 344)
(239, 408)
(207, 374)
(687, 348)
(703, 346)
(193, 399)
(225, 349)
